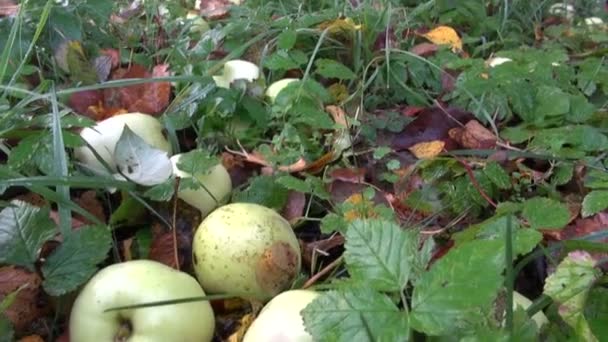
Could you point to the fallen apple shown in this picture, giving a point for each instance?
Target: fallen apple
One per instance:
(215, 186)
(246, 250)
(139, 282)
(520, 300)
(105, 134)
(237, 70)
(275, 88)
(281, 320)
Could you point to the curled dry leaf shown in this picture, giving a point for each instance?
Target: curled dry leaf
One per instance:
(348, 175)
(474, 136)
(215, 9)
(30, 303)
(427, 150)
(294, 208)
(445, 35)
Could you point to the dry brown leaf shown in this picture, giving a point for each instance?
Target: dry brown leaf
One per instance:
(244, 324)
(30, 303)
(427, 150)
(88, 201)
(215, 9)
(445, 35)
(474, 136)
(348, 175)
(31, 338)
(294, 208)
(424, 49)
(8, 8)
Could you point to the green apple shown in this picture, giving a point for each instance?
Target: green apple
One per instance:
(216, 185)
(275, 88)
(138, 282)
(281, 319)
(246, 250)
(105, 134)
(237, 70)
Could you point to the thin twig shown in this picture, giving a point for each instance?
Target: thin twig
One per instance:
(483, 194)
(321, 273)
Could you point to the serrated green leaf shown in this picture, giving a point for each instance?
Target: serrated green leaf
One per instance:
(596, 179)
(546, 213)
(197, 161)
(562, 174)
(292, 183)
(76, 259)
(380, 253)
(457, 292)
(569, 286)
(330, 68)
(161, 192)
(287, 39)
(381, 151)
(551, 101)
(264, 190)
(333, 223)
(23, 230)
(355, 315)
(595, 202)
(497, 175)
(596, 312)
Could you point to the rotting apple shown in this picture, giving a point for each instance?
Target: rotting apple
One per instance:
(139, 282)
(237, 70)
(275, 88)
(105, 134)
(281, 319)
(246, 250)
(215, 186)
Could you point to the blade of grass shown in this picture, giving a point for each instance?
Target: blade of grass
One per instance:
(509, 276)
(60, 167)
(169, 302)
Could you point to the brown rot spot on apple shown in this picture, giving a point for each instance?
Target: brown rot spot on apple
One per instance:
(277, 268)
(194, 259)
(125, 330)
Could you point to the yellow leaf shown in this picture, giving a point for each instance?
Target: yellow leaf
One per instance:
(427, 150)
(245, 322)
(444, 35)
(340, 25)
(361, 208)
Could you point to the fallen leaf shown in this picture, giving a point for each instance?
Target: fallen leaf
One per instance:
(243, 324)
(162, 249)
(348, 175)
(215, 9)
(30, 303)
(346, 25)
(294, 208)
(31, 338)
(424, 49)
(82, 100)
(8, 8)
(363, 208)
(473, 136)
(580, 227)
(88, 201)
(309, 248)
(431, 124)
(445, 35)
(427, 150)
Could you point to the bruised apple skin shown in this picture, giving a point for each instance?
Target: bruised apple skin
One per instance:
(246, 250)
(281, 320)
(138, 282)
(216, 186)
(105, 134)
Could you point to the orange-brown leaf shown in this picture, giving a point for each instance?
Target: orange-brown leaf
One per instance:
(30, 303)
(427, 149)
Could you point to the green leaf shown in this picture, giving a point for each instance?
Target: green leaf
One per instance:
(264, 190)
(380, 253)
(330, 68)
(596, 179)
(594, 202)
(457, 292)
(551, 101)
(75, 260)
(562, 174)
(287, 39)
(596, 312)
(497, 175)
(546, 213)
(162, 192)
(381, 151)
(23, 230)
(355, 315)
(139, 161)
(292, 183)
(197, 161)
(569, 286)
(331, 223)
(7, 334)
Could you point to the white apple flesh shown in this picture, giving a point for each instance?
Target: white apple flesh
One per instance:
(281, 319)
(215, 186)
(246, 250)
(105, 134)
(138, 282)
